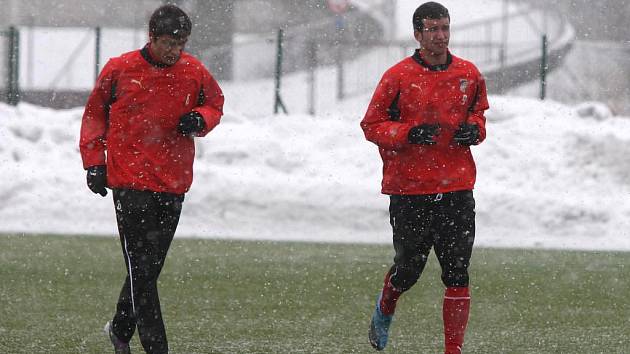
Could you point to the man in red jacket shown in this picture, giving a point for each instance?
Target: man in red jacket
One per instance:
(425, 114)
(137, 139)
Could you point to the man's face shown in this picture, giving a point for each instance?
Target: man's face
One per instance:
(167, 48)
(434, 35)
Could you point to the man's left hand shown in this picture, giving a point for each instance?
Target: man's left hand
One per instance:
(467, 134)
(191, 123)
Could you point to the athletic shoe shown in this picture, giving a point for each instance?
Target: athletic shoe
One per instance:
(120, 347)
(379, 327)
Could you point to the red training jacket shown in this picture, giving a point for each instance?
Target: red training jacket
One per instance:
(132, 114)
(448, 95)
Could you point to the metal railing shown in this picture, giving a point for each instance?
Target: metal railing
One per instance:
(10, 49)
(346, 63)
(483, 42)
(58, 66)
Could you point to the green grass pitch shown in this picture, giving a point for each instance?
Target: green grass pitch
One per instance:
(222, 296)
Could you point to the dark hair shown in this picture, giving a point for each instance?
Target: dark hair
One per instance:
(431, 10)
(169, 20)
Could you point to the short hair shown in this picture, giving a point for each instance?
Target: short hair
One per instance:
(170, 20)
(428, 10)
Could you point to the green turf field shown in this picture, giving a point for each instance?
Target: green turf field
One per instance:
(264, 297)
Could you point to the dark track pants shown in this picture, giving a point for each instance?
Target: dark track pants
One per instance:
(146, 225)
(445, 222)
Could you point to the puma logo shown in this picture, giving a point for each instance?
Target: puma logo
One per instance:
(138, 82)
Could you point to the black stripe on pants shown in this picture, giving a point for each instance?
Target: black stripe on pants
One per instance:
(445, 222)
(146, 225)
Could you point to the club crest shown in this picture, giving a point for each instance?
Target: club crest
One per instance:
(463, 85)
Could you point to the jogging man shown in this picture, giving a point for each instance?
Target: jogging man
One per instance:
(137, 139)
(425, 114)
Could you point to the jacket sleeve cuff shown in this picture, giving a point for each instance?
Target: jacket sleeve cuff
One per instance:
(210, 117)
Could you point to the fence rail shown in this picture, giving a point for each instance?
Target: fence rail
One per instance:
(483, 42)
(35, 64)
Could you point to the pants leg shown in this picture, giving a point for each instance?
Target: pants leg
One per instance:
(124, 323)
(454, 236)
(146, 222)
(411, 218)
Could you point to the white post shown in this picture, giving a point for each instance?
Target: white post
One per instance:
(504, 38)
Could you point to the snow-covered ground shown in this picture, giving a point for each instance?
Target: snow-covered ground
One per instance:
(549, 176)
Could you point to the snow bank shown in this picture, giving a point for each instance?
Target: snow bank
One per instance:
(547, 177)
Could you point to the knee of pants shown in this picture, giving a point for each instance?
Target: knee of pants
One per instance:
(404, 276)
(147, 267)
(455, 277)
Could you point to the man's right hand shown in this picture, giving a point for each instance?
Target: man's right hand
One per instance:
(97, 179)
(423, 134)
(191, 123)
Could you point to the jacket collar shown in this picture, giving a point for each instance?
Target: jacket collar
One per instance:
(440, 67)
(146, 54)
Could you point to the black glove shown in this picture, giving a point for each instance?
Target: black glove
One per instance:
(97, 179)
(467, 134)
(423, 134)
(191, 123)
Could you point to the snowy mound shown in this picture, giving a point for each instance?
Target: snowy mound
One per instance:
(546, 178)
